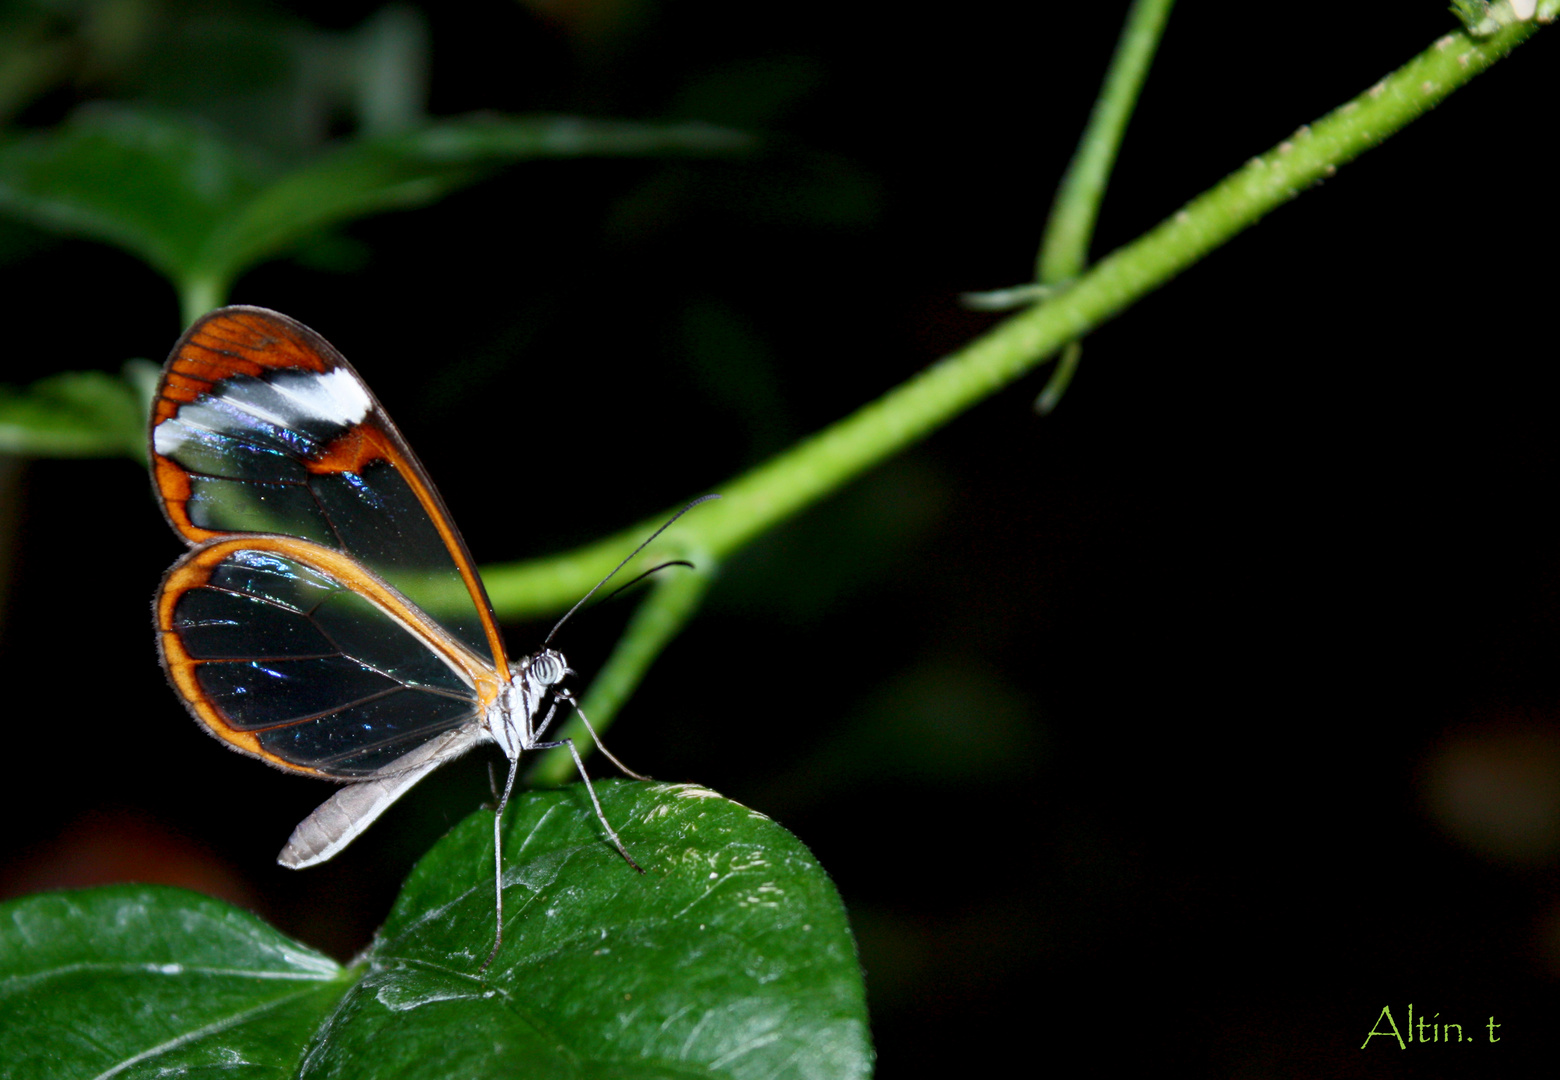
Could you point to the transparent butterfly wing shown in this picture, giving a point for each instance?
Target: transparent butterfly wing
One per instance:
(288, 651)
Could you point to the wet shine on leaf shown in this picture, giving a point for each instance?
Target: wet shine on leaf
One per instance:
(730, 957)
(146, 980)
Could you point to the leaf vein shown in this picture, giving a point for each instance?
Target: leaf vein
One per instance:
(199, 1033)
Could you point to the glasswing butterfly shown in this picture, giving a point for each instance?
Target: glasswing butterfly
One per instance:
(328, 618)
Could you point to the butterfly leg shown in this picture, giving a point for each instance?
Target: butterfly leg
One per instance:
(498, 860)
(580, 765)
(564, 695)
(546, 721)
(538, 729)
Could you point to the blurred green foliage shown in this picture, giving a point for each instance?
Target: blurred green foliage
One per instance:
(79, 414)
(202, 209)
(225, 152)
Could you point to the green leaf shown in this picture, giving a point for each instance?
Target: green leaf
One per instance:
(729, 957)
(152, 185)
(418, 167)
(202, 211)
(78, 414)
(146, 980)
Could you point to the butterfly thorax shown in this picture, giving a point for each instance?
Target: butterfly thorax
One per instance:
(512, 719)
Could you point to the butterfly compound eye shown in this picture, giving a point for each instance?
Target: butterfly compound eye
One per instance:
(547, 668)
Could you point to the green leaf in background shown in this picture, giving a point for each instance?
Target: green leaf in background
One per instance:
(202, 210)
(153, 185)
(146, 980)
(418, 167)
(730, 957)
(79, 414)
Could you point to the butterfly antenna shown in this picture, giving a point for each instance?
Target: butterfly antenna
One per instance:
(567, 614)
(621, 589)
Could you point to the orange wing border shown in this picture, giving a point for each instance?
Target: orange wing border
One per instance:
(194, 570)
(243, 340)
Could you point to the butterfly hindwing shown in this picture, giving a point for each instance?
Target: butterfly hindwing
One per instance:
(289, 651)
(260, 426)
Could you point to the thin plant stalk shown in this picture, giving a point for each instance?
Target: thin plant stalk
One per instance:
(820, 464)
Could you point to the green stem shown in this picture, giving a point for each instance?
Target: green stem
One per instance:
(1060, 378)
(658, 620)
(200, 294)
(823, 462)
(1064, 251)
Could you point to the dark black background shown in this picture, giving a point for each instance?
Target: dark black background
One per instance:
(1181, 730)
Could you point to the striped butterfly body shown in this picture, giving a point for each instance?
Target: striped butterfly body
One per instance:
(328, 618)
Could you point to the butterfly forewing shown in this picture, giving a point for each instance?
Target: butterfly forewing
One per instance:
(261, 427)
(289, 651)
